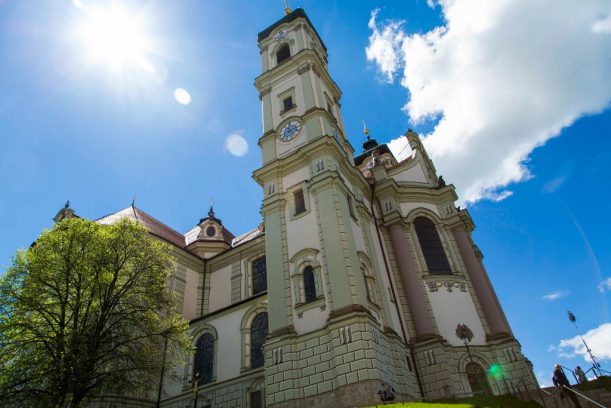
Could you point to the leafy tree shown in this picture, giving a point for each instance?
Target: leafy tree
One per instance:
(85, 312)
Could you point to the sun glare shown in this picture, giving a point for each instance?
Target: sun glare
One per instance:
(114, 37)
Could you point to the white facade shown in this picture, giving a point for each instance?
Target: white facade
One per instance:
(360, 273)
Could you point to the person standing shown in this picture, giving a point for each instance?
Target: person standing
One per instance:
(581, 376)
(561, 381)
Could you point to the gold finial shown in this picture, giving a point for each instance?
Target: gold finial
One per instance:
(287, 9)
(365, 130)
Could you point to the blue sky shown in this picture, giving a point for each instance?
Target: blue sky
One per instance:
(516, 118)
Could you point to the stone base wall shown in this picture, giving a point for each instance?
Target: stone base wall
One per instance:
(341, 365)
(229, 394)
(443, 367)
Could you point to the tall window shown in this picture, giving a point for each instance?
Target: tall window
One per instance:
(287, 103)
(256, 399)
(309, 284)
(299, 202)
(259, 276)
(283, 54)
(204, 358)
(258, 333)
(432, 249)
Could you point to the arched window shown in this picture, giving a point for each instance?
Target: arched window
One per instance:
(204, 358)
(432, 249)
(477, 379)
(258, 333)
(283, 54)
(309, 284)
(259, 276)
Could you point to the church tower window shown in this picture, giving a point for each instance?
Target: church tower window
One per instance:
(283, 54)
(299, 202)
(287, 103)
(204, 358)
(258, 333)
(432, 248)
(309, 284)
(259, 276)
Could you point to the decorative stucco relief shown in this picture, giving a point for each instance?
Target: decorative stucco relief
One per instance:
(449, 285)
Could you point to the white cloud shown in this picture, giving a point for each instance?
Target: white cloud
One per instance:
(400, 148)
(602, 26)
(503, 77)
(384, 46)
(553, 185)
(544, 379)
(604, 285)
(555, 295)
(598, 339)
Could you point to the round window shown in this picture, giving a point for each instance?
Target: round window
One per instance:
(211, 231)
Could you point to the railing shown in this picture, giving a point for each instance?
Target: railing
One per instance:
(519, 389)
(583, 396)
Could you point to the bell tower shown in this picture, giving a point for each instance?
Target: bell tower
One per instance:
(328, 301)
(300, 100)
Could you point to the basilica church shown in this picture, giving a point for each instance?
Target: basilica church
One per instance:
(362, 276)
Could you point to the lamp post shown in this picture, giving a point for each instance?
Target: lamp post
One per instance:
(195, 388)
(165, 351)
(464, 333)
(595, 364)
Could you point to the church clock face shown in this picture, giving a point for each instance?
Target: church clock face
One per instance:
(281, 35)
(290, 131)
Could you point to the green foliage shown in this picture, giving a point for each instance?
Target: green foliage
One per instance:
(85, 311)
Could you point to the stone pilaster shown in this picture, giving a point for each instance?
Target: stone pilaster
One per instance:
(277, 264)
(483, 290)
(411, 282)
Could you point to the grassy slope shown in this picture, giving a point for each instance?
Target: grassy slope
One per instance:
(503, 401)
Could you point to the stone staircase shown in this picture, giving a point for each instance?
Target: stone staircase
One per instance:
(601, 396)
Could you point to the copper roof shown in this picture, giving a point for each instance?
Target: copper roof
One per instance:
(154, 226)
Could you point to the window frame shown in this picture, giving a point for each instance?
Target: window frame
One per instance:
(258, 352)
(306, 258)
(299, 202)
(211, 349)
(283, 51)
(290, 198)
(253, 277)
(309, 285)
(432, 247)
(282, 97)
(189, 368)
(245, 329)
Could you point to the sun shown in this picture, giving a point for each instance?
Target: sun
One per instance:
(114, 36)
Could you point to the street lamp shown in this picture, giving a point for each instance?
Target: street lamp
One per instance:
(195, 388)
(595, 364)
(464, 333)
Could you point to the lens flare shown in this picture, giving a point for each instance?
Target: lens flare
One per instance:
(496, 371)
(113, 36)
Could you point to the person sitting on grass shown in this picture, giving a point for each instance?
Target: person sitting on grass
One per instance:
(387, 393)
